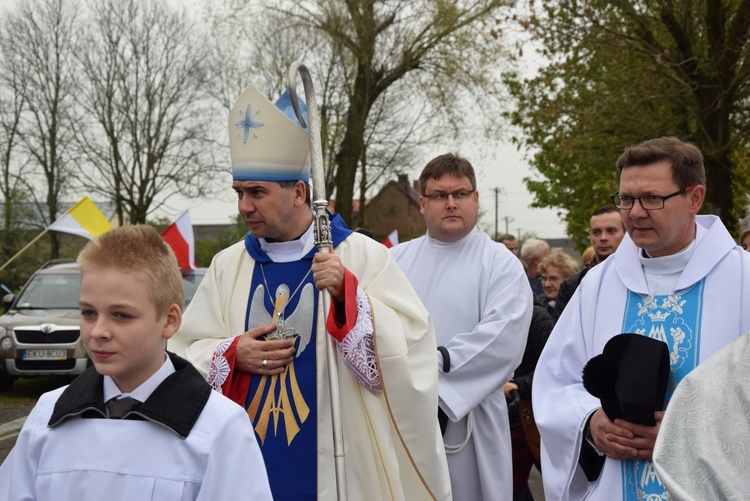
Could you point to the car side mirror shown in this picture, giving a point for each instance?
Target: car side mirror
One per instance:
(8, 300)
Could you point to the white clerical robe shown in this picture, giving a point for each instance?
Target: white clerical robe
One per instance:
(391, 438)
(122, 459)
(479, 298)
(702, 448)
(596, 314)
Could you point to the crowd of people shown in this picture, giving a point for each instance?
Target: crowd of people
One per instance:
(458, 359)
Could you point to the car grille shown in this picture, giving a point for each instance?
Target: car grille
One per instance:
(28, 336)
(45, 365)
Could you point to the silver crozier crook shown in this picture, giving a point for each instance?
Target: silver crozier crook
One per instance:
(322, 236)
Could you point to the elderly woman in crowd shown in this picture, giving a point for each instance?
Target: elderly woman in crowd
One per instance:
(554, 268)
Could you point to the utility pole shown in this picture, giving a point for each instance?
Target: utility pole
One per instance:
(497, 193)
(508, 220)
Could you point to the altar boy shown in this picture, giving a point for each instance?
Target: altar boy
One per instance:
(141, 423)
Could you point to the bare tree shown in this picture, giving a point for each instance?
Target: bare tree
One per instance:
(380, 59)
(148, 100)
(13, 84)
(395, 133)
(432, 47)
(44, 35)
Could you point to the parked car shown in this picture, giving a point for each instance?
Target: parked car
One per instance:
(190, 281)
(40, 333)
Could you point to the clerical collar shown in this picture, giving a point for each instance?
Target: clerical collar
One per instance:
(666, 265)
(294, 250)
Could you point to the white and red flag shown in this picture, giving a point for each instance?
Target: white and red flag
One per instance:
(179, 236)
(391, 240)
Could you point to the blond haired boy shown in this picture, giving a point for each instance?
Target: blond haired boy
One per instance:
(180, 441)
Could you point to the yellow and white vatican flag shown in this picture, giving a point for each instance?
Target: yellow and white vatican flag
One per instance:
(83, 219)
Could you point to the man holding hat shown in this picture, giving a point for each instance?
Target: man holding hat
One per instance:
(256, 329)
(676, 277)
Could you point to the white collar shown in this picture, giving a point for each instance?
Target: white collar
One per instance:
(294, 250)
(666, 265)
(145, 389)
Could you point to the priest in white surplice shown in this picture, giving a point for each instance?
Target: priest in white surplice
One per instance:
(479, 299)
(676, 277)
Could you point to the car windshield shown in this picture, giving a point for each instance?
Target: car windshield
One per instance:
(48, 291)
(61, 291)
(190, 281)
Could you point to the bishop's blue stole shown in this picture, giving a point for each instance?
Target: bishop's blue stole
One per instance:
(283, 409)
(676, 320)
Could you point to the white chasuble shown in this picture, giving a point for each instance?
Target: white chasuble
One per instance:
(392, 446)
(704, 311)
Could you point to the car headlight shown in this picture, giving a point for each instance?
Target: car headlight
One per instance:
(6, 343)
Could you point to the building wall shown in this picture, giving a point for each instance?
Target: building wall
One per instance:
(395, 207)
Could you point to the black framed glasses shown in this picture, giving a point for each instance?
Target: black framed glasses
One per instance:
(648, 202)
(458, 196)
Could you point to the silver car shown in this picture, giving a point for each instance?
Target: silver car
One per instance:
(39, 333)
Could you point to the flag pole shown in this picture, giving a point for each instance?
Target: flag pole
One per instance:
(322, 236)
(24, 249)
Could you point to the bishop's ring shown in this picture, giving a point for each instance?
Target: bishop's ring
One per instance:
(265, 364)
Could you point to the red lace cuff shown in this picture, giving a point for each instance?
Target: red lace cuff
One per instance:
(343, 316)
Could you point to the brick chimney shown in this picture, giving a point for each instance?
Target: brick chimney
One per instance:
(403, 180)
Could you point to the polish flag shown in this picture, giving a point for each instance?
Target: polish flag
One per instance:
(391, 240)
(179, 236)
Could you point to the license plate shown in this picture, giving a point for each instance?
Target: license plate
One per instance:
(45, 354)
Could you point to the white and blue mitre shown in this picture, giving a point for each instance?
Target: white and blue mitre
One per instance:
(266, 141)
